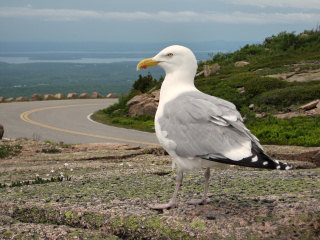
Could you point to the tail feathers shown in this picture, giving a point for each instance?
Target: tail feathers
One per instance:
(257, 160)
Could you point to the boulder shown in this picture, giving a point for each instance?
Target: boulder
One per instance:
(156, 94)
(310, 105)
(36, 97)
(48, 97)
(1, 131)
(305, 76)
(283, 77)
(72, 95)
(112, 95)
(241, 63)
(84, 95)
(143, 108)
(137, 99)
(9, 99)
(261, 115)
(59, 96)
(1, 99)
(288, 115)
(241, 90)
(22, 99)
(96, 95)
(210, 70)
(144, 104)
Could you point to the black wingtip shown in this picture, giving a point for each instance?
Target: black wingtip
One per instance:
(257, 160)
(282, 166)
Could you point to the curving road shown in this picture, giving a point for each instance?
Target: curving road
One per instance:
(67, 121)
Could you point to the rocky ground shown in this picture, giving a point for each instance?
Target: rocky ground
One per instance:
(106, 190)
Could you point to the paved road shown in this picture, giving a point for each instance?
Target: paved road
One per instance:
(67, 121)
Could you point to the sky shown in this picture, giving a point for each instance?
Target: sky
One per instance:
(153, 20)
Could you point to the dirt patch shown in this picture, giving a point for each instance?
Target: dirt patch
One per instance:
(312, 156)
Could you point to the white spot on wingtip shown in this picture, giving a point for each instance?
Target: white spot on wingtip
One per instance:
(278, 167)
(276, 161)
(254, 159)
(288, 168)
(265, 163)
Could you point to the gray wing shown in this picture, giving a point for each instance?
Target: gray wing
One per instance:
(203, 125)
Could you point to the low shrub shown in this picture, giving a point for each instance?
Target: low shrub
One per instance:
(302, 131)
(288, 96)
(8, 150)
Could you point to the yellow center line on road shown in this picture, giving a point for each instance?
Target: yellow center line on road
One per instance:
(25, 117)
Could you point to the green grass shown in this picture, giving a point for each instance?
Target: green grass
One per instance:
(303, 131)
(142, 123)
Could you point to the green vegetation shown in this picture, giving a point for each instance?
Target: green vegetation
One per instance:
(276, 55)
(8, 150)
(142, 123)
(38, 180)
(297, 131)
(51, 149)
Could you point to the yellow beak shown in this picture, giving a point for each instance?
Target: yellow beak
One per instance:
(146, 63)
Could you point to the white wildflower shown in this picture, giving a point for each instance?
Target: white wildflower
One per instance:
(52, 171)
(71, 169)
(66, 164)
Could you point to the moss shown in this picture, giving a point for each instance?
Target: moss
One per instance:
(75, 233)
(69, 214)
(95, 220)
(8, 234)
(198, 225)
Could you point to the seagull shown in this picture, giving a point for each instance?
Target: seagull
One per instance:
(199, 130)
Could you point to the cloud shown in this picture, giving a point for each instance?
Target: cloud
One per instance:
(161, 16)
(300, 4)
(48, 14)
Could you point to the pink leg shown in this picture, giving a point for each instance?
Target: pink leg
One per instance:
(173, 202)
(204, 200)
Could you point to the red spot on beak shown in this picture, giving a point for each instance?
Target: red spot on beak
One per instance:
(143, 67)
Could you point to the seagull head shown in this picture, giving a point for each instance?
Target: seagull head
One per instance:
(171, 59)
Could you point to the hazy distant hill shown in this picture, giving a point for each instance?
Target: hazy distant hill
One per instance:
(220, 45)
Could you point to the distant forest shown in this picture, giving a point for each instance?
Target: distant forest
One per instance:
(25, 79)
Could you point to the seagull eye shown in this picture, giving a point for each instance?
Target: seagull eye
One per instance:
(169, 54)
